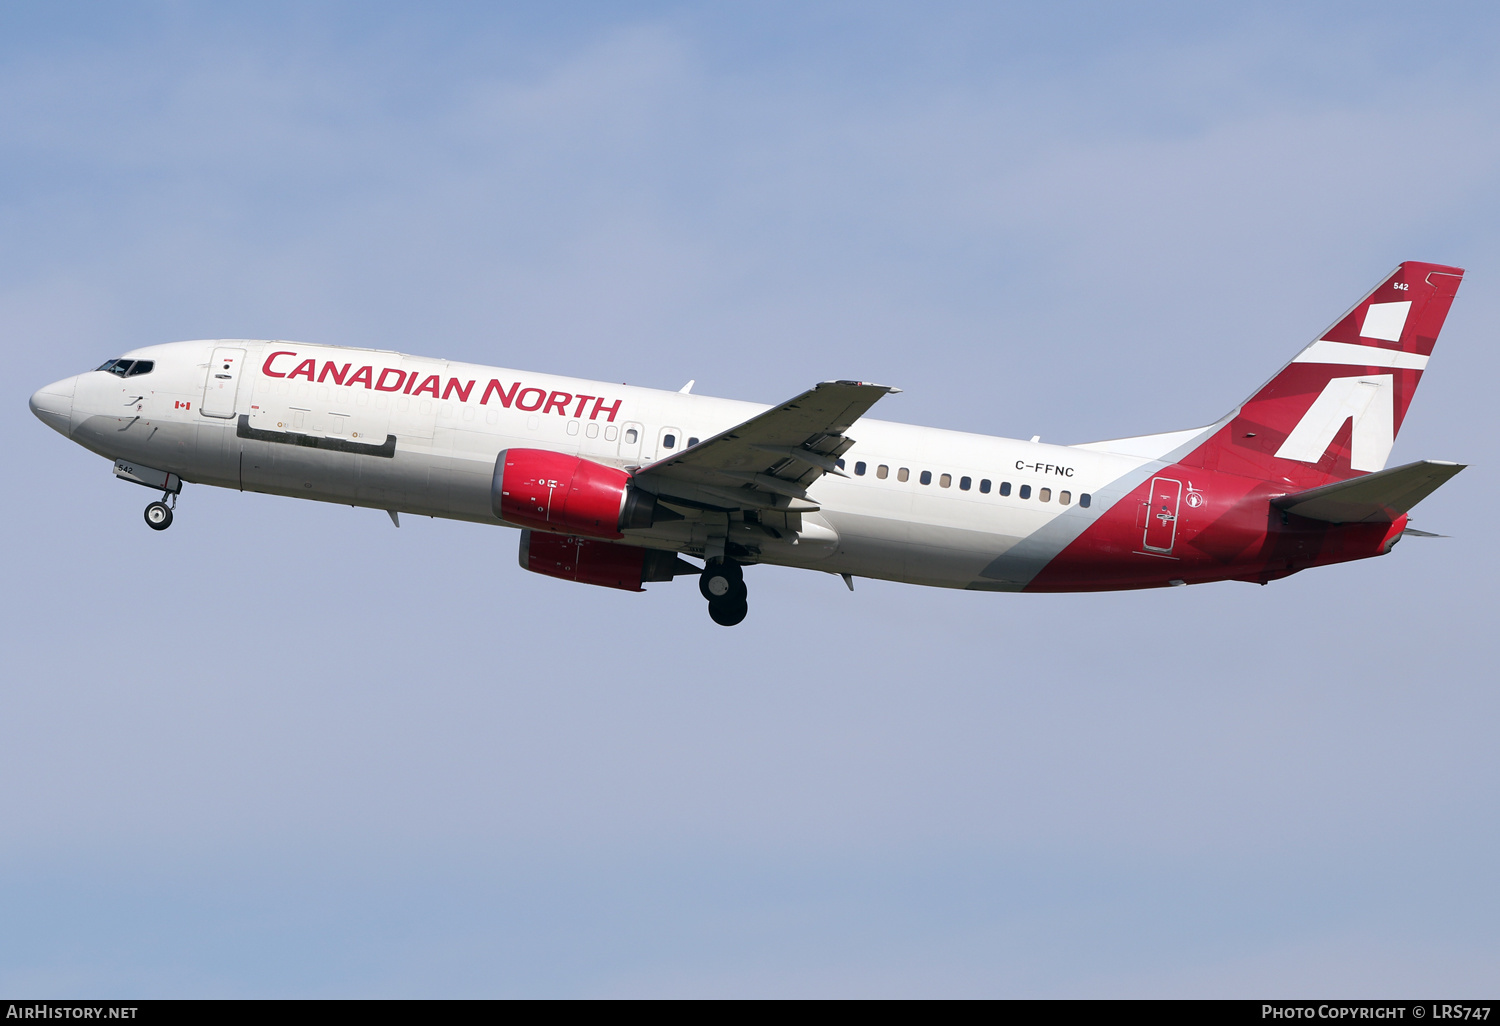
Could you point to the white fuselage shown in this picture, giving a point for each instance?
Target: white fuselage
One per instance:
(450, 420)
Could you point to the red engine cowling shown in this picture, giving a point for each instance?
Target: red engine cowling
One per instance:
(590, 561)
(553, 491)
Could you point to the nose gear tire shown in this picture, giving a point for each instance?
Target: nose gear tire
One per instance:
(158, 516)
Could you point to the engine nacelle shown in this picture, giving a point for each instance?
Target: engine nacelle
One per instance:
(553, 491)
(591, 561)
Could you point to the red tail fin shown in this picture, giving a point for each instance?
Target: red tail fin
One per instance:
(1334, 411)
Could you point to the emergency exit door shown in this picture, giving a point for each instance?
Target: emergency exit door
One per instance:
(223, 382)
(1161, 514)
(631, 437)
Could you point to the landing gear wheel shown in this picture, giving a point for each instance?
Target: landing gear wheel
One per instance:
(158, 516)
(720, 578)
(723, 584)
(726, 612)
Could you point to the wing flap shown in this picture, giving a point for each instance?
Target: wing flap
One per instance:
(768, 461)
(1380, 497)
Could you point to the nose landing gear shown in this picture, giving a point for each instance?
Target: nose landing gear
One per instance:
(159, 514)
(723, 584)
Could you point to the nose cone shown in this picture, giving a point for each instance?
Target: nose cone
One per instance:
(53, 404)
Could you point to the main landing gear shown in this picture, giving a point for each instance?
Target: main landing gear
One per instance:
(159, 514)
(723, 584)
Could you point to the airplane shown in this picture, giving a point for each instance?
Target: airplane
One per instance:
(613, 485)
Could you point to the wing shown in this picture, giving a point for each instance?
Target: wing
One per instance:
(1380, 497)
(768, 462)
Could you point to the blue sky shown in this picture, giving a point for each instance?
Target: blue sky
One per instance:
(285, 750)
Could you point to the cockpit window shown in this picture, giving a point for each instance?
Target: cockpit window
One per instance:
(127, 368)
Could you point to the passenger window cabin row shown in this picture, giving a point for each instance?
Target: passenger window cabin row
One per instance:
(882, 471)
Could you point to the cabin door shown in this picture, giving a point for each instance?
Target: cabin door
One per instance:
(1161, 514)
(223, 383)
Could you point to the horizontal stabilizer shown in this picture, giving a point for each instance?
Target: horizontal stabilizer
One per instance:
(1380, 497)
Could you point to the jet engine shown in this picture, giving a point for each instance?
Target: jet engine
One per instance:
(553, 491)
(590, 561)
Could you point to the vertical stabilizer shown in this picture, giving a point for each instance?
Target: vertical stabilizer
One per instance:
(1334, 412)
